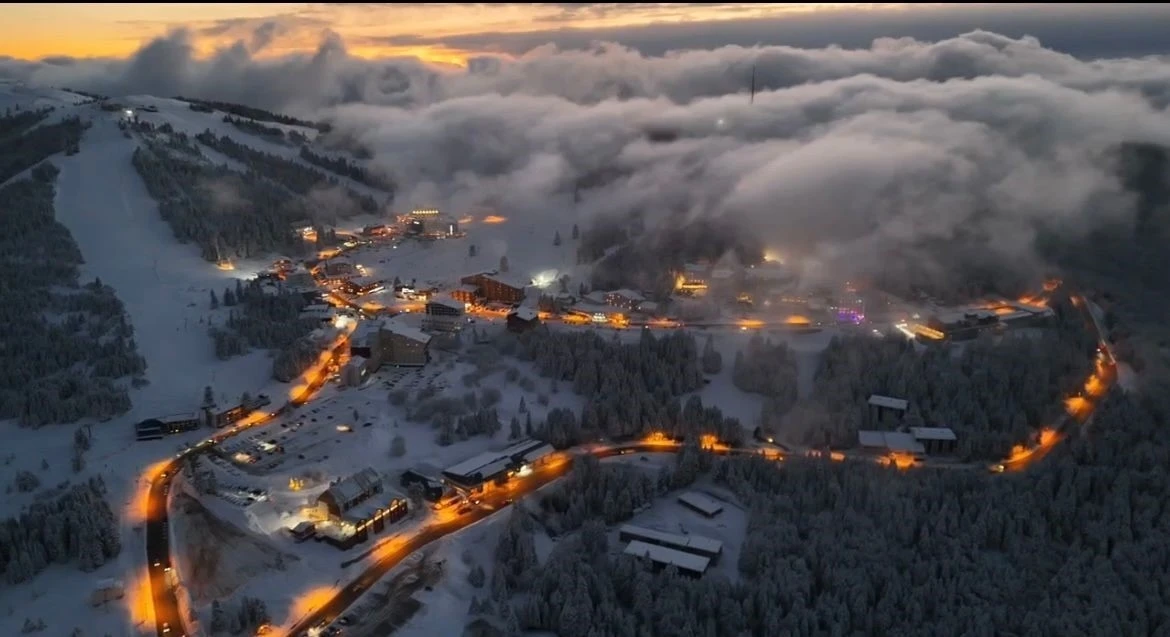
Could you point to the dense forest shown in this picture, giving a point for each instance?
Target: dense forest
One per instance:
(346, 168)
(65, 345)
(768, 369)
(298, 178)
(24, 144)
(631, 388)
(1076, 546)
(270, 133)
(226, 213)
(1126, 264)
(253, 113)
(265, 319)
(70, 524)
(995, 393)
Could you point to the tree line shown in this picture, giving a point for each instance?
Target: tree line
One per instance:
(1074, 546)
(26, 144)
(631, 388)
(345, 168)
(995, 394)
(227, 214)
(253, 113)
(260, 318)
(65, 345)
(272, 133)
(294, 176)
(77, 526)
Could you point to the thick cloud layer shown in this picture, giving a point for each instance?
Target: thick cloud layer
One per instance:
(862, 158)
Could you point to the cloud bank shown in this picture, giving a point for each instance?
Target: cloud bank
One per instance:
(864, 159)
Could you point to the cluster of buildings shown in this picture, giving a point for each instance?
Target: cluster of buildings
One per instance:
(208, 416)
(691, 554)
(900, 443)
(384, 341)
(429, 223)
(945, 325)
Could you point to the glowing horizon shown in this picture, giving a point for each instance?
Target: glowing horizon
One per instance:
(118, 30)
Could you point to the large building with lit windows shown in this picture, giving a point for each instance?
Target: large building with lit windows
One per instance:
(480, 472)
(353, 508)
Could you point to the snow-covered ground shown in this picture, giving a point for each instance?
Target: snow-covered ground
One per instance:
(165, 287)
(15, 94)
(330, 453)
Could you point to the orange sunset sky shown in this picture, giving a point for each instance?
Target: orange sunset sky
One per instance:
(32, 31)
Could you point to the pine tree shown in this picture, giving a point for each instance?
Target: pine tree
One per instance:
(398, 446)
(528, 425)
(208, 397)
(504, 263)
(557, 238)
(514, 429)
(576, 232)
(523, 406)
(471, 250)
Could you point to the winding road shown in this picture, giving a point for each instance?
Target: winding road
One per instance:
(391, 551)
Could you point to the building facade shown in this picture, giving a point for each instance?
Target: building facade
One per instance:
(493, 288)
(444, 314)
(522, 319)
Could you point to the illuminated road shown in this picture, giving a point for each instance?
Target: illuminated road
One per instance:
(168, 617)
(391, 551)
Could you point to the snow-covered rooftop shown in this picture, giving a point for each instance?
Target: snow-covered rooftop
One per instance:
(888, 402)
(707, 505)
(474, 464)
(668, 556)
(397, 326)
(525, 313)
(695, 543)
(932, 433)
(903, 442)
(629, 294)
(447, 300)
(871, 438)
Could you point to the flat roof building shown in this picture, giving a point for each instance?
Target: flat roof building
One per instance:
(485, 467)
(885, 402)
(686, 563)
(407, 345)
(890, 442)
(886, 409)
(936, 440)
(701, 503)
(694, 544)
(444, 313)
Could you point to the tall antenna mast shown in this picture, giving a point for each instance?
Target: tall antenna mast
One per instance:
(752, 99)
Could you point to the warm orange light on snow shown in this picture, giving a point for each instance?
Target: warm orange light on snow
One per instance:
(494, 219)
(310, 601)
(796, 319)
(139, 602)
